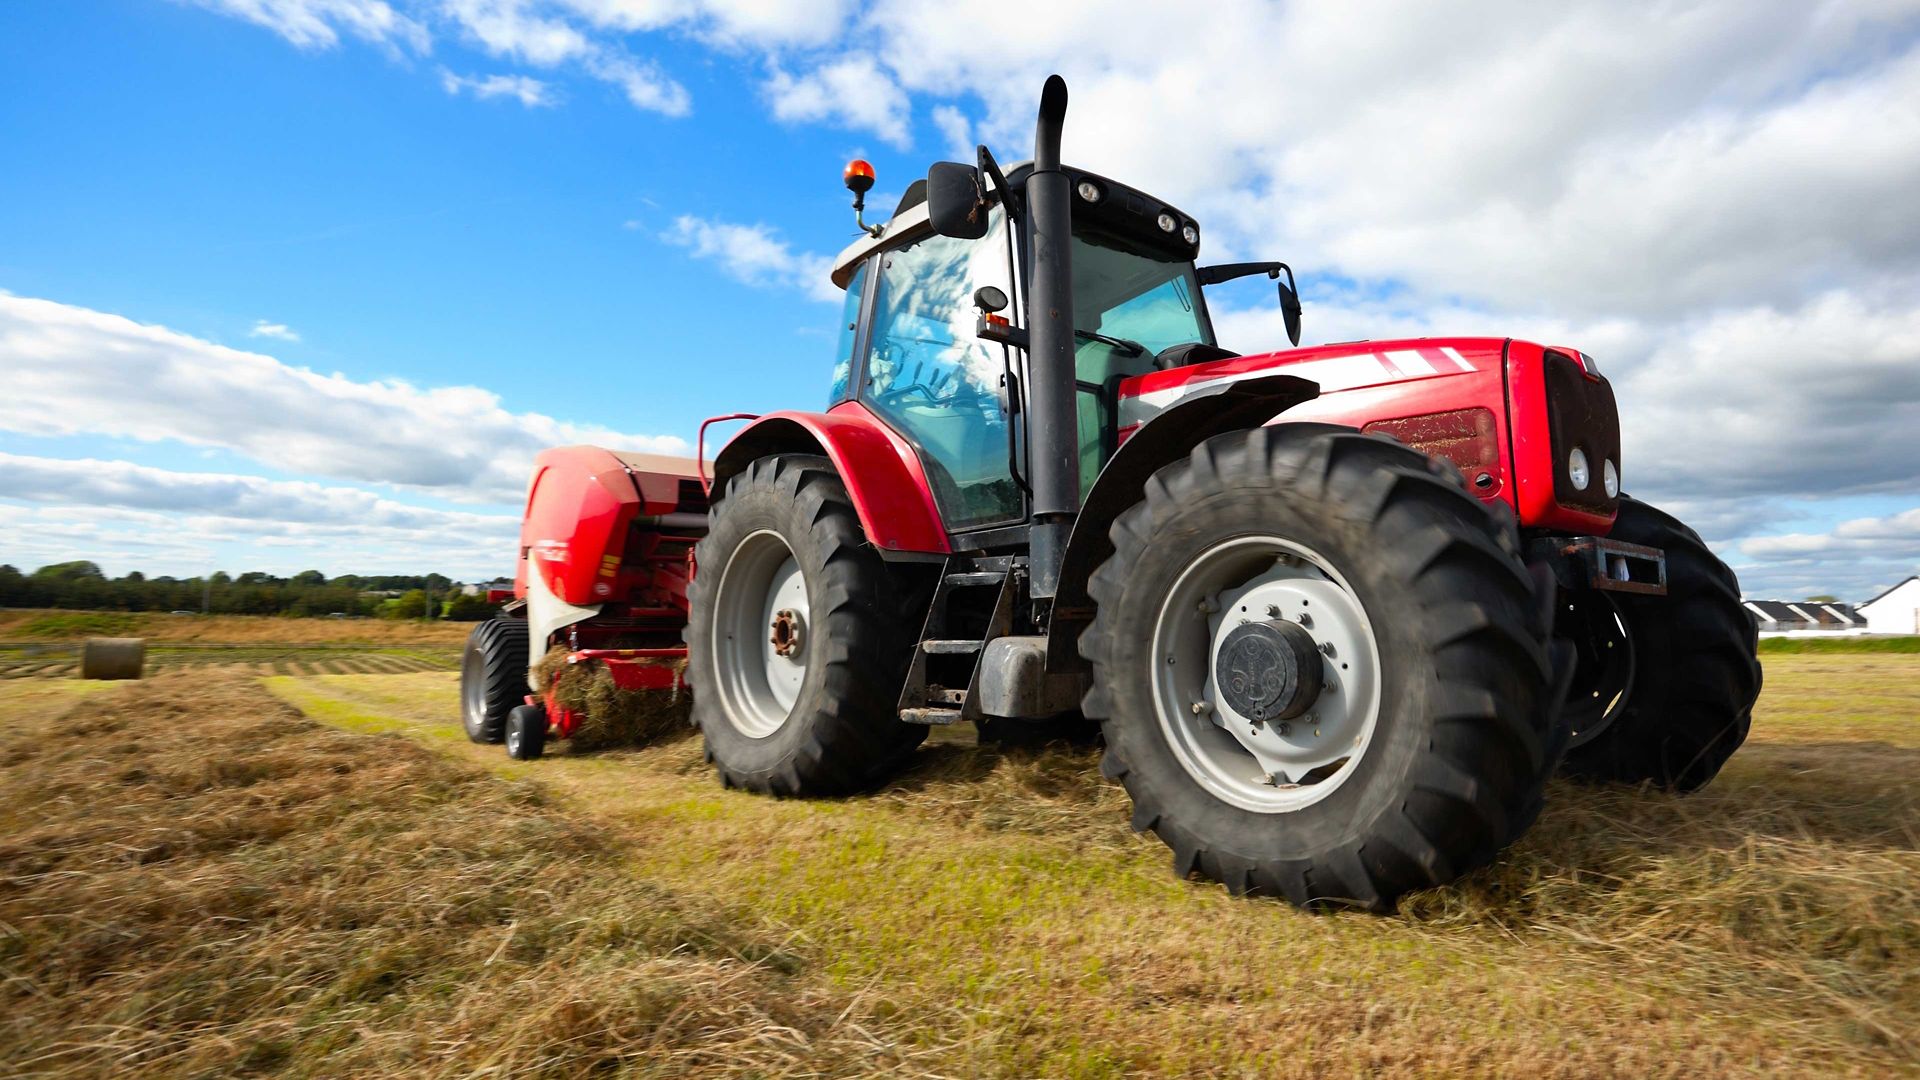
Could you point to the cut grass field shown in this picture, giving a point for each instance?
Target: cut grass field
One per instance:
(18, 661)
(48, 626)
(199, 878)
(46, 644)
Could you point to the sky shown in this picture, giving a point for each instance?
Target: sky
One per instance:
(292, 284)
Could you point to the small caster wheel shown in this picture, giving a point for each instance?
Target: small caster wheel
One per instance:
(526, 732)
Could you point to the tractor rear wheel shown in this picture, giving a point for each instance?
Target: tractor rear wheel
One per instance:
(1673, 678)
(493, 677)
(799, 637)
(1321, 668)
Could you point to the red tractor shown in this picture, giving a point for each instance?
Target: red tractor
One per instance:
(1339, 611)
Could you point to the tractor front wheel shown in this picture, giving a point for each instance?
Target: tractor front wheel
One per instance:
(1665, 689)
(799, 637)
(1321, 668)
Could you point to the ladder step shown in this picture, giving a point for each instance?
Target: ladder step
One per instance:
(942, 696)
(930, 716)
(975, 577)
(949, 645)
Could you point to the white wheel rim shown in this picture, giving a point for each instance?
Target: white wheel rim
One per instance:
(759, 681)
(1269, 768)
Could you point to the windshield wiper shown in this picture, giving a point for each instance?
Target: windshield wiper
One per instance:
(1133, 348)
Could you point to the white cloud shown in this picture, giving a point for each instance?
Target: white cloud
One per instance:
(131, 486)
(754, 254)
(724, 22)
(853, 93)
(512, 28)
(528, 91)
(134, 517)
(186, 544)
(263, 328)
(72, 371)
(644, 84)
(956, 130)
(1855, 560)
(316, 24)
(534, 34)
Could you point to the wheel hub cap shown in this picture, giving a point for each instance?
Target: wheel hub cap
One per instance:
(1267, 674)
(1269, 670)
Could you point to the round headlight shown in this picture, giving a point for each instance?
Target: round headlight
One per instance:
(1166, 222)
(1089, 190)
(1190, 234)
(1577, 468)
(1610, 478)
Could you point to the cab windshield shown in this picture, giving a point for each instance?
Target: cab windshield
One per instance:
(1140, 298)
(1127, 308)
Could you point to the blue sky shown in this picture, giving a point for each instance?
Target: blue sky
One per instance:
(293, 283)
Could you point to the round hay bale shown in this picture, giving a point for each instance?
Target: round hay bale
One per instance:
(113, 657)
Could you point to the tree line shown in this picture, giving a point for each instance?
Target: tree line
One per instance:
(81, 585)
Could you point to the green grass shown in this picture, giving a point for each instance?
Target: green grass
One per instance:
(1907, 644)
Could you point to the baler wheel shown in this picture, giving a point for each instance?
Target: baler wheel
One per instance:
(526, 732)
(798, 636)
(1687, 701)
(1321, 668)
(493, 677)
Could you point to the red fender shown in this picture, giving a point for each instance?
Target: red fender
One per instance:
(882, 473)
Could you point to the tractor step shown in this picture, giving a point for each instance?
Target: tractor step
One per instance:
(976, 577)
(946, 646)
(930, 716)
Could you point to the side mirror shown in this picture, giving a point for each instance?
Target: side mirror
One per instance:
(1290, 310)
(956, 201)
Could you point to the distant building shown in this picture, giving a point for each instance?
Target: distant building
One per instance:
(1896, 611)
(1806, 617)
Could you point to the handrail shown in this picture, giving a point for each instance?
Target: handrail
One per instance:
(700, 444)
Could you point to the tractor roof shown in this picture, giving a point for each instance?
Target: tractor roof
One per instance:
(912, 211)
(911, 214)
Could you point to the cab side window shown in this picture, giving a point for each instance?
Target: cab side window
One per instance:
(930, 378)
(849, 326)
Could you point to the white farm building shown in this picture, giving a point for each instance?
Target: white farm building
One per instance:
(1896, 611)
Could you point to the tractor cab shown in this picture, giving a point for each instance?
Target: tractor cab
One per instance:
(933, 337)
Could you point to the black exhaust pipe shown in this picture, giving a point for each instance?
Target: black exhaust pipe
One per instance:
(1053, 434)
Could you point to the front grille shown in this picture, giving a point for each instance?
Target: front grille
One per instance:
(1581, 413)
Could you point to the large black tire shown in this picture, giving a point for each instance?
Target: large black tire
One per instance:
(1687, 700)
(1461, 746)
(493, 677)
(843, 731)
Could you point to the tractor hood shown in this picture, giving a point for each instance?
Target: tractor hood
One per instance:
(1351, 365)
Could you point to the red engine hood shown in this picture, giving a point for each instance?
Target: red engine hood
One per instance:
(1344, 366)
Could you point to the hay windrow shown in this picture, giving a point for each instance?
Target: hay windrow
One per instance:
(610, 716)
(197, 881)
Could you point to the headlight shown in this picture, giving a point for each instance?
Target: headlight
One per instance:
(1577, 469)
(1089, 190)
(1610, 477)
(1166, 222)
(1190, 234)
